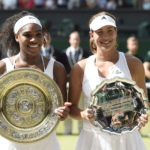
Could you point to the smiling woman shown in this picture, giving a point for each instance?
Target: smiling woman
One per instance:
(88, 74)
(22, 35)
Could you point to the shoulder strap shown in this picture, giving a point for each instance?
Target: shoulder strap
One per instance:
(50, 67)
(9, 65)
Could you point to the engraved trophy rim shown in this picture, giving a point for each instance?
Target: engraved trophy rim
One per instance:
(98, 124)
(28, 98)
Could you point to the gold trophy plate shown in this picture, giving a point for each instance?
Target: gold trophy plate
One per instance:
(28, 98)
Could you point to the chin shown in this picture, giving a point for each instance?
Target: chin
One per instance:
(34, 53)
(106, 49)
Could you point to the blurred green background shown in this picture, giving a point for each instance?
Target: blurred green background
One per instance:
(144, 45)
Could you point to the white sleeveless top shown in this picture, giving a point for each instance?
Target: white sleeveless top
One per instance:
(89, 138)
(48, 143)
(92, 78)
(48, 70)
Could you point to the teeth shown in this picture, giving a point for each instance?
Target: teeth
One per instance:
(34, 46)
(106, 42)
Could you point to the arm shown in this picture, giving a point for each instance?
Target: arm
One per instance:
(75, 88)
(147, 69)
(2, 67)
(138, 75)
(60, 79)
(137, 71)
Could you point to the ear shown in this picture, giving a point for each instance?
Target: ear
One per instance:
(16, 38)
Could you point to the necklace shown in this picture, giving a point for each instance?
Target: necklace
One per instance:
(17, 56)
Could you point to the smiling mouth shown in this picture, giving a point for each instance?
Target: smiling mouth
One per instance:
(33, 46)
(106, 43)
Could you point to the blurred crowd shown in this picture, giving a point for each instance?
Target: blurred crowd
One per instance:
(73, 4)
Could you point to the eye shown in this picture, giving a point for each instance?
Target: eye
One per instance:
(27, 35)
(110, 30)
(99, 32)
(39, 35)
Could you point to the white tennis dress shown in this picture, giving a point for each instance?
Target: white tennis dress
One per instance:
(89, 139)
(48, 143)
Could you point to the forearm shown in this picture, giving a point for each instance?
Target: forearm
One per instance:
(147, 69)
(147, 74)
(76, 113)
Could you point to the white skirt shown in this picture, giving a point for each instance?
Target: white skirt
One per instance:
(89, 140)
(48, 143)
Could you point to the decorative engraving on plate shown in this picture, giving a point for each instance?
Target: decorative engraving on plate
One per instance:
(27, 104)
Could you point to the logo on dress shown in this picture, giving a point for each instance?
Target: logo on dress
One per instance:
(103, 17)
(118, 72)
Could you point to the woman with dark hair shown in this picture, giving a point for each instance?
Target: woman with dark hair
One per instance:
(22, 35)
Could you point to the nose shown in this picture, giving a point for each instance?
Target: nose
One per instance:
(33, 39)
(105, 35)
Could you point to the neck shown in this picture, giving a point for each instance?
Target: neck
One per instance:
(131, 53)
(107, 57)
(29, 59)
(36, 62)
(75, 48)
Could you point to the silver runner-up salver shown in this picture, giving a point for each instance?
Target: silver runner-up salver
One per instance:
(28, 98)
(118, 103)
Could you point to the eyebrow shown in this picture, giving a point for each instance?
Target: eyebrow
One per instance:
(110, 27)
(27, 31)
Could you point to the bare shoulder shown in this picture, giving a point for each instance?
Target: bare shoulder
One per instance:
(59, 72)
(137, 70)
(58, 66)
(133, 62)
(77, 71)
(2, 67)
(80, 66)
